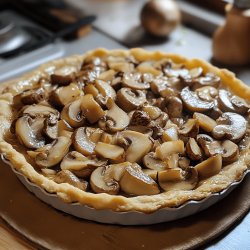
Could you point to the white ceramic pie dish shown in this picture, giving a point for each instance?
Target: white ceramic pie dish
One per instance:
(124, 218)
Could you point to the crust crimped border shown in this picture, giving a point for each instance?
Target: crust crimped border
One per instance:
(146, 204)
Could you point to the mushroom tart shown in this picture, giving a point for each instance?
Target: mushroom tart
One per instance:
(127, 130)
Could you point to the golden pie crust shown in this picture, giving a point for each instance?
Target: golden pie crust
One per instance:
(146, 204)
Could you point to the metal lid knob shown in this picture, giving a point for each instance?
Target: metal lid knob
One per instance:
(242, 4)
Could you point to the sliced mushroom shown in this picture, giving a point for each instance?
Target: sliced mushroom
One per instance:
(91, 109)
(65, 176)
(152, 162)
(183, 162)
(140, 118)
(207, 93)
(190, 128)
(115, 119)
(147, 67)
(152, 111)
(174, 107)
(109, 151)
(161, 121)
(151, 173)
(107, 75)
(105, 89)
(129, 99)
(33, 96)
(230, 126)
(101, 182)
(173, 161)
(133, 81)
(224, 101)
(140, 145)
(177, 179)
(168, 148)
(231, 151)
(52, 155)
(159, 85)
(193, 102)
(29, 131)
(64, 129)
(51, 127)
(209, 79)
(193, 150)
(135, 182)
(195, 72)
(209, 167)
(82, 142)
(205, 122)
(209, 145)
(40, 110)
(91, 89)
(170, 134)
(239, 105)
(80, 165)
(64, 95)
(73, 114)
(106, 138)
(63, 76)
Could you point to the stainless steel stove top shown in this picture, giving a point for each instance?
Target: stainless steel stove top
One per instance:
(17, 32)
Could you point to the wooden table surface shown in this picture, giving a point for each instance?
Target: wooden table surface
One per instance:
(122, 26)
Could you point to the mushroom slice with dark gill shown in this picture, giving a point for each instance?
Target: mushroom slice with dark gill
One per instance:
(167, 149)
(51, 127)
(105, 89)
(135, 182)
(65, 176)
(193, 103)
(52, 154)
(73, 114)
(105, 179)
(115, 119)
(150, 161)
(29, 131)
(81, 165)
(207, 93)
(38, 110)
(190, 128)
(129, 99)
(139, 145)
(178, 179)
(82, 142)
(134, 81)
(230, 126)
(229, 103)
(193, 150)
(230, 151)
(209, 79)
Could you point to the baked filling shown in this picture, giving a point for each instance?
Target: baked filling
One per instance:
(117, 124)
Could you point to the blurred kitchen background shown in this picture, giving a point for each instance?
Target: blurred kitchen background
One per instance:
(35, 31)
